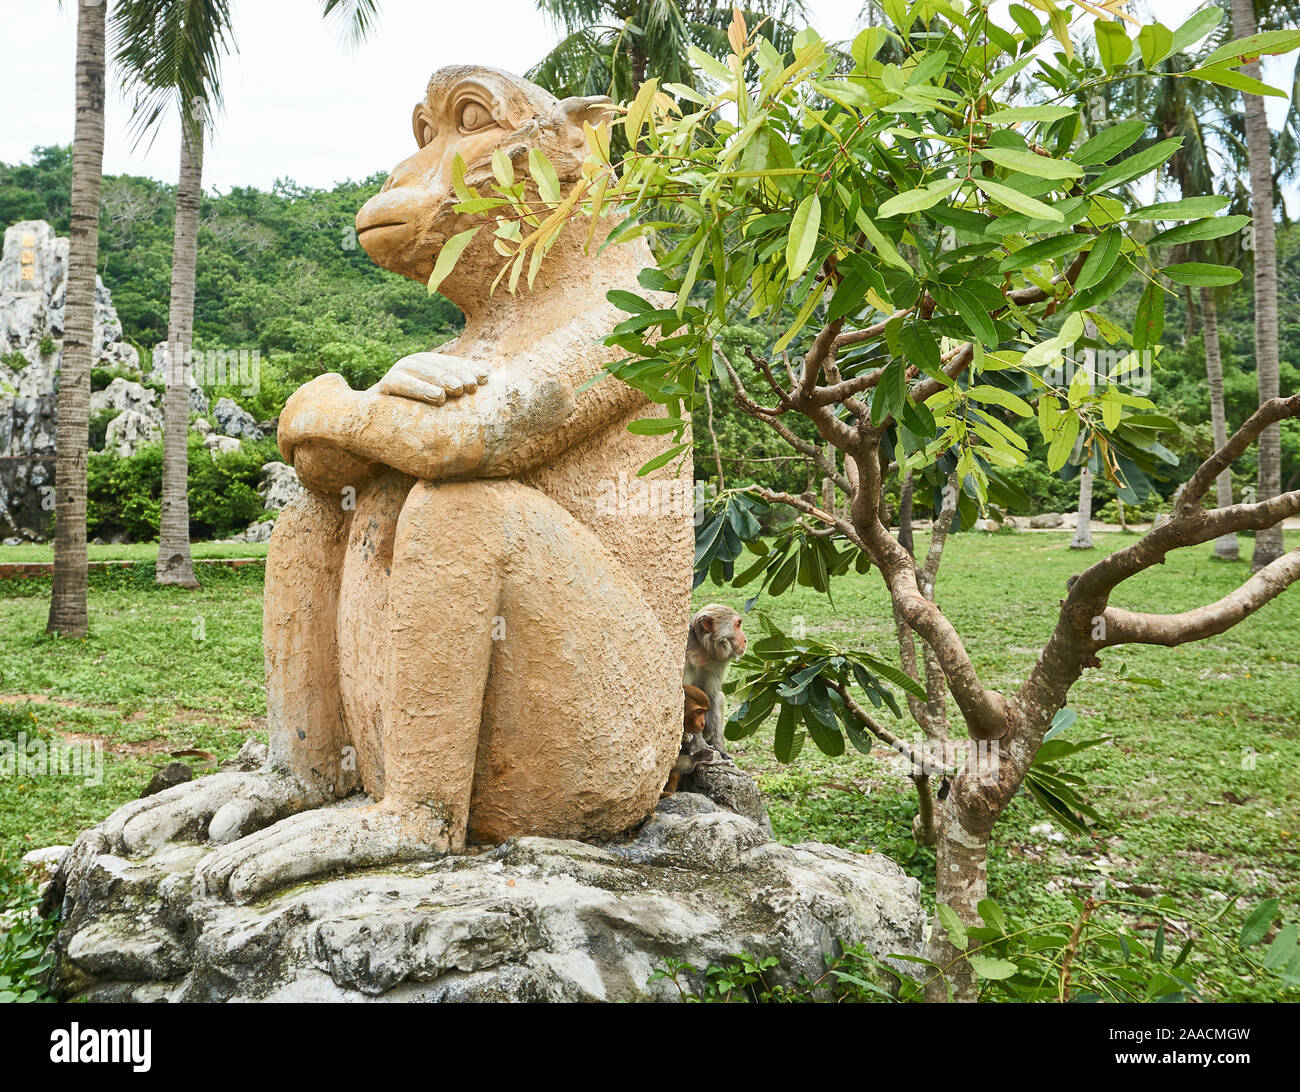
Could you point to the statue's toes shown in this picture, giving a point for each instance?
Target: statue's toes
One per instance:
(221, 807)
(311, 844)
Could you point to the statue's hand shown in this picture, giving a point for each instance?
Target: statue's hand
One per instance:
(433, 378)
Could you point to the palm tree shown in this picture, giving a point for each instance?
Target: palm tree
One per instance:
(170, 52)
(610, 47)
(1196, 112)
(68, 599)
(1268, 543)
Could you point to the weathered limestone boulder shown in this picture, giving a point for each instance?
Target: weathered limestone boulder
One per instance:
(233, 421)
(122, 394)
(278, 484)
(130, 430)
(1046, 519)
(535, 919)
(158, 376)
(33, 269)
(220, 445)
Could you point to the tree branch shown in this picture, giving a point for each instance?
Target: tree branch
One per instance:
(1124, 627)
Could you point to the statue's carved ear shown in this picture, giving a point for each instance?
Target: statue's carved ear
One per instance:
(577, 109)
(422, 125)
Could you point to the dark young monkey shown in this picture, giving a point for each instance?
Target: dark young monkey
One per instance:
(716, 637)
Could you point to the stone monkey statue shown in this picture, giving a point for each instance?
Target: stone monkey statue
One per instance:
(447, 600)
(715, 638)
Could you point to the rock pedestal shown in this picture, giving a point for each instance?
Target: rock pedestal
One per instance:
(535, 919)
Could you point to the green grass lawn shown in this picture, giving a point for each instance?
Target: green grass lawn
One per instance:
(132, 551)
(1199, 786)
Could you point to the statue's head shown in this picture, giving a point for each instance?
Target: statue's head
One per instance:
(471, 111)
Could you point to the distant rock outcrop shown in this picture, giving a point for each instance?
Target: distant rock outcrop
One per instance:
(33, 278)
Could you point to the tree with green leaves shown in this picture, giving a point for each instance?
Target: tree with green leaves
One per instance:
(796, 188)
(610, 47)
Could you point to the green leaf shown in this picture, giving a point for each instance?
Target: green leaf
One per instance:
(1197, 27)
(803, 235)
(1058, 452)
(448, 256)
(548, 182)
(1226, 76)
(656, 426)
(660, 460)
(992, 913)
(1042, 251)
(1199, 230)
(1030, 113)
(952, 925)
(1257, 924)
(993, 968)
(1189, 208)
(918, 199)
(1149, 322)
(1243, 50)
(1109, 143)
(1015, 159)
(1018, 202)
(996, 396)
(1101, 259)
(1202, 274)
(1156, 43)
(1135, 166)
(1113, 45)
(1064, 719)
(628, 301)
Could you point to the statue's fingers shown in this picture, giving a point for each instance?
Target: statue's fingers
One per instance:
(452, 383)
(408, 386)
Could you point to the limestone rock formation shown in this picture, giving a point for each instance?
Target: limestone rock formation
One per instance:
(535, 919)
(234, 421)
(278, 485)
(33, 269)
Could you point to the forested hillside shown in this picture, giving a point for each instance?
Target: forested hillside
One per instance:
(281, 271)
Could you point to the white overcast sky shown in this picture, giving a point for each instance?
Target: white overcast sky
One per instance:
(301, 104)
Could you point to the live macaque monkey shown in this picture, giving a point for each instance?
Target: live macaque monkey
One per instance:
(716, 637)
(695, 752)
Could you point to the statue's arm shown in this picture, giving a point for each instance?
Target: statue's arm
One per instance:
(519, 420)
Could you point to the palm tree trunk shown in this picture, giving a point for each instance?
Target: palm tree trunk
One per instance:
(1083, 529)
(1083, 526)
(1268, 543)
(68, 600)
(1225, 547)
(174, 563)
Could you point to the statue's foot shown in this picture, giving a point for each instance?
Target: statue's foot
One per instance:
(314, 843)
(219, 807)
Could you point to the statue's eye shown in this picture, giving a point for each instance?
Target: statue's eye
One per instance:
(474, 115)
(426, 134)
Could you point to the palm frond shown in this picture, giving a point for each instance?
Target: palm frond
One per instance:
(169, 53)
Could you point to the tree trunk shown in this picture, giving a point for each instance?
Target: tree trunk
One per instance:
(1083, 531)
(717, 454)
(174, 563)
(68, 601)
(961, 881)
(1225, 547)
(905, 514)
(1268, 543)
